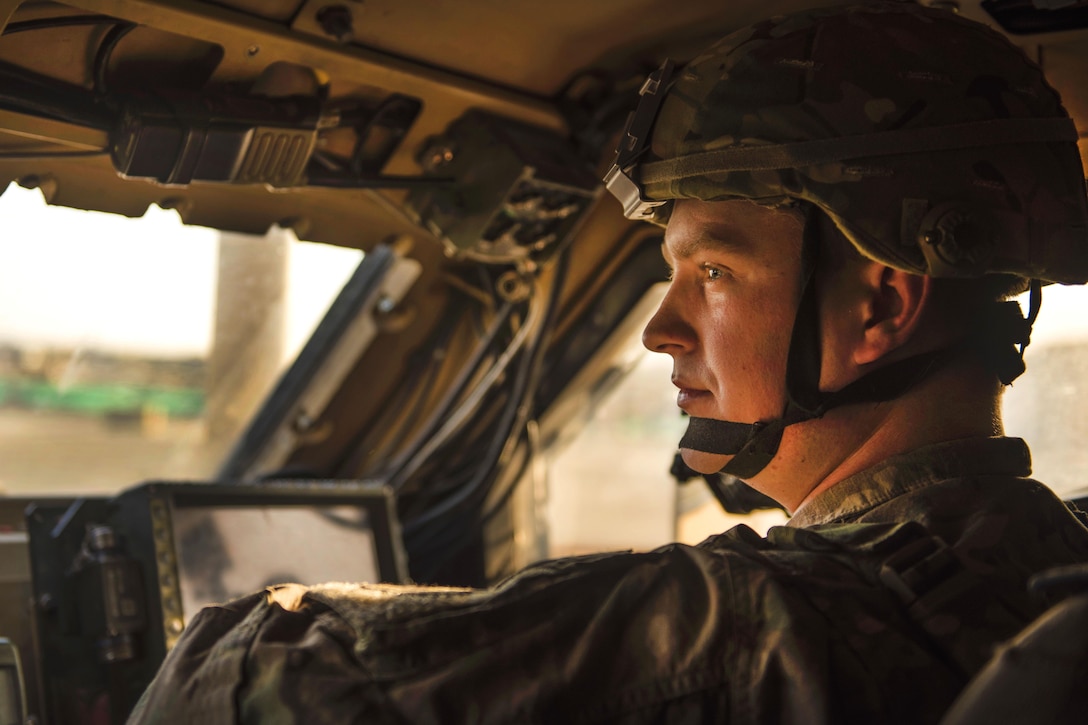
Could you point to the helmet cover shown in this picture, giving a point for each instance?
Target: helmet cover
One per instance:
(931, 141)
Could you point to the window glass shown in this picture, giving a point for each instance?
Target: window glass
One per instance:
(1046, 406)
(137, 349)
(610, 488)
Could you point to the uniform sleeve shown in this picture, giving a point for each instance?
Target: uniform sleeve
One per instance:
(588, 639)
(198, 679)
(736, 630)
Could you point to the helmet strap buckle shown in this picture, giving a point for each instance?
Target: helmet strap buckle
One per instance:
(633, 144)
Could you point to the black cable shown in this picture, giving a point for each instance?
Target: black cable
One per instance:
(560, 278)
(27, 92)
(423, 539)
(504, 497)
(394, 470)
(105, 50)
(452, 466)
(416, 527)
(532, 358)
(437, 534)
(410, 390)
(407, 480)
(414, 395)
(486, 283)
(444, 475)
(418, 532)
(23, 26)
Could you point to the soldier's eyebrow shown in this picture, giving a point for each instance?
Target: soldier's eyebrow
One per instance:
(707, 239)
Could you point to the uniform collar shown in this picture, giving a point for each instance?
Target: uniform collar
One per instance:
(912, 472)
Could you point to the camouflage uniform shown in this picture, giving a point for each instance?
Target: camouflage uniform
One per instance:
(876, 604)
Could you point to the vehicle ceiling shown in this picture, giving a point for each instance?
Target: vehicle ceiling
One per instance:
(515, 58)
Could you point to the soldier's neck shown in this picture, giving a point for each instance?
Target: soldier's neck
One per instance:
(954, 403)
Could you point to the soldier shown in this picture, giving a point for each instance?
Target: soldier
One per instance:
(849, 196)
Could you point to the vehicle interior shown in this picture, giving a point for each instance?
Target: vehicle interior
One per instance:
(303, 290)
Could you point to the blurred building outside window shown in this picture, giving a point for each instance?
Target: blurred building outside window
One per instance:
(138, 349)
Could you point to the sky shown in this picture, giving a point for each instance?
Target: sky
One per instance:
(76, 279)
(86, 280)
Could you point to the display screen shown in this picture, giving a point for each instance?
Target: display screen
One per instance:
(225, 552)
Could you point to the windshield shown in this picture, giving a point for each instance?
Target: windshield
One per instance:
(138, 349)
(1045, 406)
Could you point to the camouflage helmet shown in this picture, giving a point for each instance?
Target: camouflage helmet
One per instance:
(948, 154)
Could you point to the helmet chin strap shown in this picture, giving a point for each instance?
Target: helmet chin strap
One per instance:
(753, 445)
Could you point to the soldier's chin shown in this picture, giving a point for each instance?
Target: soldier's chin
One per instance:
(704, 462)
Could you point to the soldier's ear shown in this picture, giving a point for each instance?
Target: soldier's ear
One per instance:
(893, 302)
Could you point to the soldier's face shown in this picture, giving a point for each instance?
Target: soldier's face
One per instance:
(728, 314)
